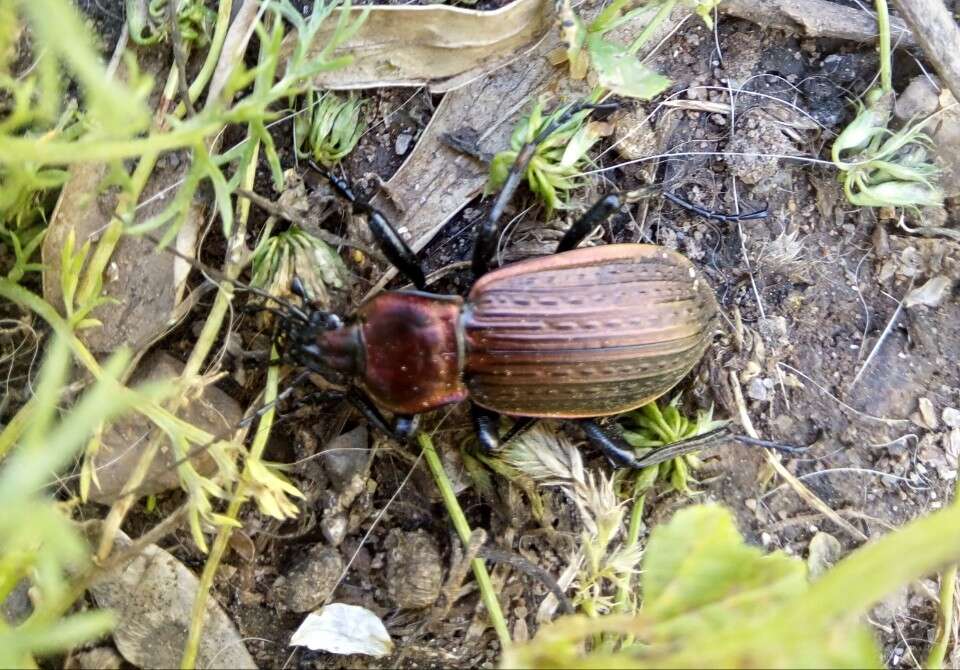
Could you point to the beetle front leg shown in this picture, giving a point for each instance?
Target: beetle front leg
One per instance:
(388, 239)
(614, 447)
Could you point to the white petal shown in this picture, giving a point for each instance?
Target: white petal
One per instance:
(344, 629)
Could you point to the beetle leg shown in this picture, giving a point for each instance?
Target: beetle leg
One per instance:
(711, 215)
(388, 239)
(614, 447)
(403, 429)
(597, 214)
(486, 423)
(486, 243)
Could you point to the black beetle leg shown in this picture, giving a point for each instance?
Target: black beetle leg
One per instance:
(711, 215)
(388, 239)
(614, 447)
(621, 454)
(401, 431)
(486, 243)
(486, 423)
(597, 214)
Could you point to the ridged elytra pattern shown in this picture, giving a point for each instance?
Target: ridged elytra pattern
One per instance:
(585, 333)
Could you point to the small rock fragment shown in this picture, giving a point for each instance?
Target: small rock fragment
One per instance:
(920, 98)
(334, 528)
(931, 294)
(414, 572)
(347, 456)
(760, 388)
(402, 144)
(928, 414)
(824, 551)
(951, 417)
(17, 607)
(215, 412)
(310, 581)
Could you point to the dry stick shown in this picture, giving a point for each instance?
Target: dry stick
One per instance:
(801, 489)
(816, 18)
(938, 34)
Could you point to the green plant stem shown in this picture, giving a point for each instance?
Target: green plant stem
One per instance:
(948, 587)
(938, 652)
(222, 303)
(665, 9)
(886, 62)
(633, 536)
(459, 521)
(198, 615)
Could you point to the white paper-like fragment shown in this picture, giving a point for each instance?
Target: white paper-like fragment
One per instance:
(344, 629)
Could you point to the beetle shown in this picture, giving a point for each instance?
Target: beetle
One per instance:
(580, 334)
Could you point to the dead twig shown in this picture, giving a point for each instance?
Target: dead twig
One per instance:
(818, 18)
(938, 34)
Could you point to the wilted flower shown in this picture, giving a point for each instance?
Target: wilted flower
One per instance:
(295, 253)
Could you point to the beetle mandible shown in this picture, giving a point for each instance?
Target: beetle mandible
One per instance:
(580, 334)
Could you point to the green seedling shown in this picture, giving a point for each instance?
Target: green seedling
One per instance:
(880, 167)
(653, 426)
(558, 160)
(149, 24)
(616, 66)
(329, 128)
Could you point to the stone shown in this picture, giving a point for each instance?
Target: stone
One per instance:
(311, 579)
(152, 598)
(347, 456)
(414, 571)
(919, 99)
(215, 412)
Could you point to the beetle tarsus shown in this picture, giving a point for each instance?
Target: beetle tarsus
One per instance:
(714, 216)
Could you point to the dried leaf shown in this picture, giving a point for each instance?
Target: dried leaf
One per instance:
(438, 46)
(344, 629)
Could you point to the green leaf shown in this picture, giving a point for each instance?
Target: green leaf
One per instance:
(623, 73)
(699, 564)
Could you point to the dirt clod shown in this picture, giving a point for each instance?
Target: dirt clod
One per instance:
(414, 571)
(310, 580)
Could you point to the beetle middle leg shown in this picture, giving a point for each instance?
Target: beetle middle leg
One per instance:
(403, 426)
(601, 210)
(486, 243)
(486, 424)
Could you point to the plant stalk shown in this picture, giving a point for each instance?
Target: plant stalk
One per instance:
(487, 594)
(886, 61)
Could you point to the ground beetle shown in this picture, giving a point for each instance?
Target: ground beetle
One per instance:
(580, 334)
